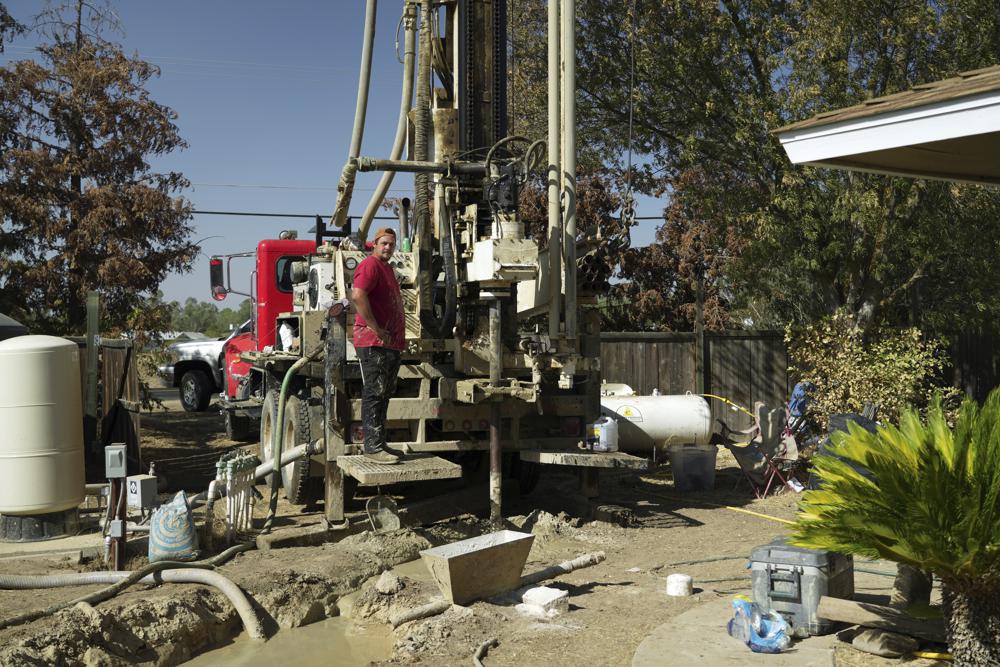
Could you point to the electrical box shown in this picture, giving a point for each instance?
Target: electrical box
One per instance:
(140, 491)
(115, 466)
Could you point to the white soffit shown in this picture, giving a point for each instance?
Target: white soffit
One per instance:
(956, 140)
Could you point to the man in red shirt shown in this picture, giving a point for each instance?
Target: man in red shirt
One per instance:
(379, 337)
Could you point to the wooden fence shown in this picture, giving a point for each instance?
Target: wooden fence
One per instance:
(743, 366)
(117, 420)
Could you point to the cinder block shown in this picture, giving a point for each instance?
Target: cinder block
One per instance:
(549, 601)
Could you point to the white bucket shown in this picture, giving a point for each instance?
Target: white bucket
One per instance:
(602, 435)
(679, 585)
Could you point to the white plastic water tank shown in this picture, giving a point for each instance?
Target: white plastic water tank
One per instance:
(41, 445)
(645, 422)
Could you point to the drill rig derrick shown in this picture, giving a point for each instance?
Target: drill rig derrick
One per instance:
(470, 277)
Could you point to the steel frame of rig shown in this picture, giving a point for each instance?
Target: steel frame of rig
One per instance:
(502, 354)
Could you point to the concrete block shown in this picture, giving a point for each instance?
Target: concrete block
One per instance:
(550, 601)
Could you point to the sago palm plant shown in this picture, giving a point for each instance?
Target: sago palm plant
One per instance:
(933, 502)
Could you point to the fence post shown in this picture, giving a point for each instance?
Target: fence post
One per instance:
(90, 417)
(699, 335)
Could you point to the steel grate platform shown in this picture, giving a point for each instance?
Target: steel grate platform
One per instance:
(413, 468)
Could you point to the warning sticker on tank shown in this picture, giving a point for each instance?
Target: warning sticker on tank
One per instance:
(631, 413)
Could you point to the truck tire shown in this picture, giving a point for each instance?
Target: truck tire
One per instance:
(268, 415)
(195, 391)
(295, 476)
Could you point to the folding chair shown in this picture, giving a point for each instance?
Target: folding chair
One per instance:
(765, 452)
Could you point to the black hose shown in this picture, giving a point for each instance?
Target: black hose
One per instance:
(442, 328)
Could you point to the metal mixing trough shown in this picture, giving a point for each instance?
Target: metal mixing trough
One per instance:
(479, 567)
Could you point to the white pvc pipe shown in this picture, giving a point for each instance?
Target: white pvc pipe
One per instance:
(293, 454)
(554, 176)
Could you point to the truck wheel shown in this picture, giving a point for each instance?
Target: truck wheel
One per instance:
(238, 428)
(299, 487)
(196, 391)
(268, 415)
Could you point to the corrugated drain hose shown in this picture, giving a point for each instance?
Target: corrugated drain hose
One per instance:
(198, 572)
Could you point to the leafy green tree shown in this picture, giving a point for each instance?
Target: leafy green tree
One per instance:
(206, 318)
(895, 369)
(932, 501)
(778, 243)
(81, 208)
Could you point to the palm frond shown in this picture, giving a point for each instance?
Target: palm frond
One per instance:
(922, 493)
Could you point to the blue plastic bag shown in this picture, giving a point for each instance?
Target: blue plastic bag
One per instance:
(764, 631)
(172, 535)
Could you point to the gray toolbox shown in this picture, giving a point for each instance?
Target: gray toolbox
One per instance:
(791, 580)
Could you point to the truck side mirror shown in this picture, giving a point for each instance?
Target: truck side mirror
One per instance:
(219, 290)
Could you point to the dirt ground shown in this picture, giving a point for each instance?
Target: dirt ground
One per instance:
(613, 605)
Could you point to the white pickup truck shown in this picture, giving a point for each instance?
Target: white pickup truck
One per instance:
(196, 367)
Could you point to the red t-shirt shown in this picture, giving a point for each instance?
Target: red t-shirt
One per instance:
(378, 280)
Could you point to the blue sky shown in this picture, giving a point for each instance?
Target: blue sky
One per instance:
(265, 93)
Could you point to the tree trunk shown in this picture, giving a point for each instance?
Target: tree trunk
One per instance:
(972, 614)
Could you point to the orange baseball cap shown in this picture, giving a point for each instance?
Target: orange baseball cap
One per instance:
(382, 232)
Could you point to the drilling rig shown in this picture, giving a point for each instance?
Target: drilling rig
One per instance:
(502, 352)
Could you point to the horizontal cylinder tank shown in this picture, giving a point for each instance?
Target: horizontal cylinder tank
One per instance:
(41, 445)
(645, 422)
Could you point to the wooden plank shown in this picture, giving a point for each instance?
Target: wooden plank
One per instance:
(586, 459)
(882, 617)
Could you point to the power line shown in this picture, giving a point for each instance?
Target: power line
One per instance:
(254, 214)
(325, 188)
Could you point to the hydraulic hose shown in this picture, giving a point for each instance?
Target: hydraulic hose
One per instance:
(421, 182)
(442, 328)
(169, 571)
(279, 435)
(345, 188)
(406, 101)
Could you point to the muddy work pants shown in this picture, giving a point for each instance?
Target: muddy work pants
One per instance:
(379, 369)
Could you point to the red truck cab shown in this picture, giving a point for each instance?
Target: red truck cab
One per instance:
(271, 294)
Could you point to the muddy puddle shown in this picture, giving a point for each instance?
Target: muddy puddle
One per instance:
(335, 642)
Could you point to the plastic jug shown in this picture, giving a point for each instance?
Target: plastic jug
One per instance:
(602, 435)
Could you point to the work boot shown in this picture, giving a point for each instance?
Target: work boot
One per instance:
(382, 457)
(392, 450)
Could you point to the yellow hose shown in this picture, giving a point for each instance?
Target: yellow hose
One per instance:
(728, 402)
(728, 507)
(758, 514)
(931, 655)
